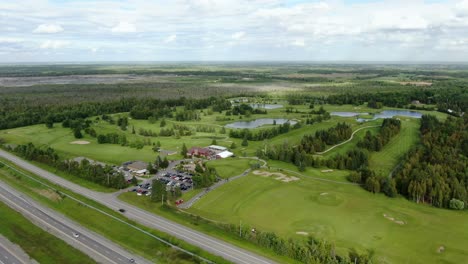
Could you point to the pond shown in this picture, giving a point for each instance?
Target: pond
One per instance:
(383, 114)
(347, 114)
(259, 122)
(266, 106)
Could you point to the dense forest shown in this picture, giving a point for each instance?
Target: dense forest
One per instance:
(263, 134)
(436, 172)
(389, 128)
(25, 115)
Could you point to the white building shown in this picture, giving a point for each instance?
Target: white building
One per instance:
(224, 154)
(217, 148)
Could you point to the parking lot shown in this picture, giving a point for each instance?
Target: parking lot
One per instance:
(172, 179)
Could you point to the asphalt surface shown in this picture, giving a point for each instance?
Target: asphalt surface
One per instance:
(95, 246)
(206, 242)
(7, 257)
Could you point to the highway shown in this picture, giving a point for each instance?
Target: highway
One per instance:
(7, 257)
(206, 242)
(92, 244)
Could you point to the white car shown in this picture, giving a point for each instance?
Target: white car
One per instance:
(76, 235)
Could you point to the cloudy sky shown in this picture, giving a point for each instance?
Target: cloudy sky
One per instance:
(209, 30)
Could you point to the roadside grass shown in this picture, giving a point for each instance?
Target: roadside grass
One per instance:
(345, 215)
(206, 226)
(37, 243)
(384, 161)
(120, 233)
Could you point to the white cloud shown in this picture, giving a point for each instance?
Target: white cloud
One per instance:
(10, 40)
(170, 38)
(54, 44)
(48, 29)
(238, 35)
(124, 27)
(298, 43)
(238, 28)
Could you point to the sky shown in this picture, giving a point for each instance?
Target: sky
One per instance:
(233, 30)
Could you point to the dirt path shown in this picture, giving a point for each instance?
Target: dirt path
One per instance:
(344, 142)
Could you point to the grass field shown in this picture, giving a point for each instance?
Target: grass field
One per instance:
(384, 161)
(37, 243)
(230, 167)
(344, 214)
(120, 233)
(199, 224)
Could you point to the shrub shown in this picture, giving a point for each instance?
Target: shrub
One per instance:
(456, 204)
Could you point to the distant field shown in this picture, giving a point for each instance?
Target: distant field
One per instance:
(344, 214)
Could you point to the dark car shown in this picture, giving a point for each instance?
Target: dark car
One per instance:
(122, 210)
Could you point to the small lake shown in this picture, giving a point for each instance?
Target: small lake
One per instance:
(383, 114)
(347, 114)
(259, 122)
(266, 106)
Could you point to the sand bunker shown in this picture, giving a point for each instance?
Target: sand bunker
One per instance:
(417, 83)
(278, 176)
(441, 249)
(325, 193)
(80, 142)
(393, 219)
(327, 170)
(302, 233)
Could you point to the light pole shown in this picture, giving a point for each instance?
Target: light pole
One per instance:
(240, 228)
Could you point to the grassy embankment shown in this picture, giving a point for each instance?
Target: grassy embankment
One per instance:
(37, 243)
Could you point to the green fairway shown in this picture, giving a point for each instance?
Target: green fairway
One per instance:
(398, 230)
(384, 161)
(37, 243)
(230, 167)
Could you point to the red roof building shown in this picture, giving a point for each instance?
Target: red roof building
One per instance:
(199, 152)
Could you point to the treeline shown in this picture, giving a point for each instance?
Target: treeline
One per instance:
(102, 175)
(245, 109)
(154, 108)
(262, 134)
(436, 172)
(121, 139)
(310, 250)
(17, 114)
(390, 127)
(322, 138)
(450, 95)
(302, 154)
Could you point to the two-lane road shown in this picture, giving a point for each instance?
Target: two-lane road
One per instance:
(206, 242)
